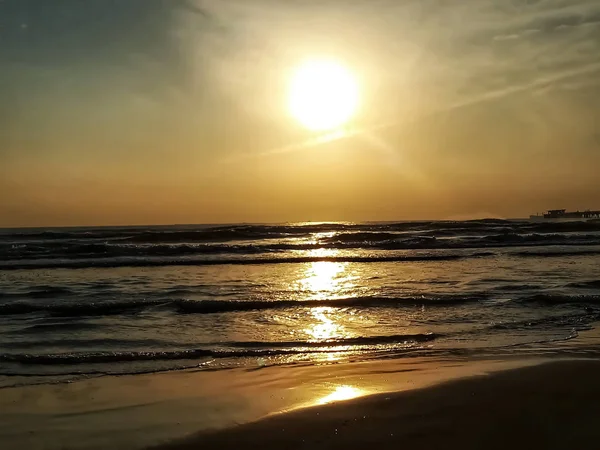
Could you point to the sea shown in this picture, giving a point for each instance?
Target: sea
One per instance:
(91, 302)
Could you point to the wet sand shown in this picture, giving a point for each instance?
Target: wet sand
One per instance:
(137, 411)
(553, 406)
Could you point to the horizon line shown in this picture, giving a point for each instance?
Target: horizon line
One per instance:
(217, 224)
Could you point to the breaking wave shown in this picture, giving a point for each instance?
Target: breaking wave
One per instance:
(244, 349)
(222, 306)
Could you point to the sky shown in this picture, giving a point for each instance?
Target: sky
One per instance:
(116, 112)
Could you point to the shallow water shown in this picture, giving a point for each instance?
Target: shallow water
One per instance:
(78, 302)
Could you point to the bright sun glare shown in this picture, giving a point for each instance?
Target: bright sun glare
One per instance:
(341, 393)
(323, 95)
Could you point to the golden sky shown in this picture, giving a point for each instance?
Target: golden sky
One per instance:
(160, 112)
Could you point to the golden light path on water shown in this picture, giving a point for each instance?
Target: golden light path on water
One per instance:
(323, 278)
(329, 333)
(326, 280)
(325, 326)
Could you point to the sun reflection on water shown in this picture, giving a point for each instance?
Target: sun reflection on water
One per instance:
(323, 278)
(344, 392)
(320, 281)
(325, 326)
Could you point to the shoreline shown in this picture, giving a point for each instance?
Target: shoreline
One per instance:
(142, 411)
(167, 409)
(552, 405)
(171, 409)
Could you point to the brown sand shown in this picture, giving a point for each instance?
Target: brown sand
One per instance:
(134, 412)
(551, 406)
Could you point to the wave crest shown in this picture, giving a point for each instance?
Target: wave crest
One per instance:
(224, 306)
(244, 349)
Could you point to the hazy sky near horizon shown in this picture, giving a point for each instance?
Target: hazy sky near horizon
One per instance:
(174, 111)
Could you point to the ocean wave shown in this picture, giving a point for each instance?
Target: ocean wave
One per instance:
(280, 254)
(76, 309)
(238, 233)
(246, 349)
(558, 299)
(342, 342)
(41, 328)
(562, 227)
(39, 292)
(152, 262)
(86, 342)
(355, 240)
(217, 306)
(590, 284)
(224, 306)
(555, 253)
(368, 231)
(578, 320)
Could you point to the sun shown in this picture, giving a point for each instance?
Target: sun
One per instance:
(324, 95)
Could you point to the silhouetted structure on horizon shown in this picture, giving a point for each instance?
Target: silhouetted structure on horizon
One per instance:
(564, 214)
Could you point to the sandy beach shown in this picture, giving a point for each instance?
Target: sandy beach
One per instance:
(132, 412)
(552, 406)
